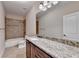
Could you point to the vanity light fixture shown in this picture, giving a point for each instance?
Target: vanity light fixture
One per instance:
(55, 2)
(44, 5)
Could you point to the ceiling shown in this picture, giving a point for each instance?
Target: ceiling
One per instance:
(18, 7)
(22, 7)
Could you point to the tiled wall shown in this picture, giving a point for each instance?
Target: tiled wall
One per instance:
(14, 28)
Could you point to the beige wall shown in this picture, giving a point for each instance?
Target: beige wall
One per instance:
(2, 29)
(71, 8)
(13, 16)
(31, 22)
(51, 23)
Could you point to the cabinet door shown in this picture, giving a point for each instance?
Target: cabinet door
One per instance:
(40, 53)
(32, 51)
(28, 49)
(69, 24)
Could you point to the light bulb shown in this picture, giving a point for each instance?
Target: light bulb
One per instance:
(40, 6)
(45, 3)
(55, 2)
(44, 9)
(49, 6)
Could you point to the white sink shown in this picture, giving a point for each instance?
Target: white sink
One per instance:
(35, 39)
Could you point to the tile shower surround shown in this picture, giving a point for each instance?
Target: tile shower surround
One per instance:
(14, 28)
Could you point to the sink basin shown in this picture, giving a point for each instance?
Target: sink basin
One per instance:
(34, 39)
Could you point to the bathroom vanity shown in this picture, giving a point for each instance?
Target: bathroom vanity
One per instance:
(45, 48)
(34, 51)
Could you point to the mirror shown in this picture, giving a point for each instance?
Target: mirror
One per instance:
(61, 21)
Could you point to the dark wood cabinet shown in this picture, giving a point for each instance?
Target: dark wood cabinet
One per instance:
(32, 51)
(28, 49)
(40, 53)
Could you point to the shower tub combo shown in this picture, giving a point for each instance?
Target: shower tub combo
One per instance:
(19, 42)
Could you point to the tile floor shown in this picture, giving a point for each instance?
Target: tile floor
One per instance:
(14, 52)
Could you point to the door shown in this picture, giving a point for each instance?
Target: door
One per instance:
(37, 27)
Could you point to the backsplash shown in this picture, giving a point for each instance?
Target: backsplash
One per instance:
(68, 42)
(64, 41)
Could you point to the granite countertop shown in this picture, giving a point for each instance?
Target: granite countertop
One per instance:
(55, 49)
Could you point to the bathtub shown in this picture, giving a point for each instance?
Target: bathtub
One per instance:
(13, 42)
